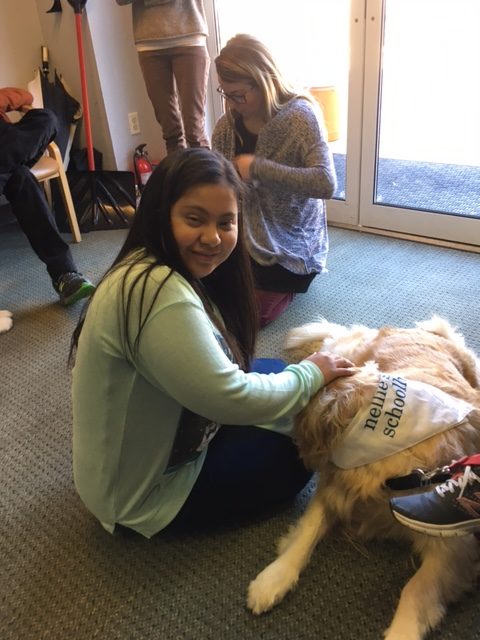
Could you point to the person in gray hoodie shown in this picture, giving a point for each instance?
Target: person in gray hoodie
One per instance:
(170, 37)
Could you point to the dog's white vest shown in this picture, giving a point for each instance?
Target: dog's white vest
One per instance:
(401, 414)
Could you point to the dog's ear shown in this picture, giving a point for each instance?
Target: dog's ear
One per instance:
(330, 412)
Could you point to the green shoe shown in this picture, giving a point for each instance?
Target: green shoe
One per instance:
(72, 286)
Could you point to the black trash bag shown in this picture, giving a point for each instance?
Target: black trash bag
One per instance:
(56, 7)
(68, 110)
(79, 160)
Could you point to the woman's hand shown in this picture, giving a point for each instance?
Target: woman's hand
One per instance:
(242, 165)
(332, 366)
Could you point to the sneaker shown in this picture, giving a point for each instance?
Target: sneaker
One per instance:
(72, 286)
(450, 509)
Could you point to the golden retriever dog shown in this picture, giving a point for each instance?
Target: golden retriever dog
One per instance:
(6, 321)
(351, 433)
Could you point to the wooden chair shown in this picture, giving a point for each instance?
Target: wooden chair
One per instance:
(51, 167)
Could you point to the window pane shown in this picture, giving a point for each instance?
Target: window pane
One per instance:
(310, 44)
(429, 142)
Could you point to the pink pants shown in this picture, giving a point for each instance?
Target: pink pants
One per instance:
(271, 304)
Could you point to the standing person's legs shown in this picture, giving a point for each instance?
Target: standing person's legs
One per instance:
(190, 68)
(160, 84)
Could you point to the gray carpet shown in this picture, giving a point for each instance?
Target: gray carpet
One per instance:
(62, 576)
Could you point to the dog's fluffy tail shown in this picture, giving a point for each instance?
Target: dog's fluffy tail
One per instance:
(302, 341)
(442, 327)
(326, 336)
(317, 331)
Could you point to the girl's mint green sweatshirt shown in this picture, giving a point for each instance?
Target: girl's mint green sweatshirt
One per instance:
(142, 421)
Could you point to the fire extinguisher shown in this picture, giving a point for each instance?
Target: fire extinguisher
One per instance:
(143, 166)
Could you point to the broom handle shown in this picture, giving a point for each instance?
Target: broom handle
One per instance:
(83, 79)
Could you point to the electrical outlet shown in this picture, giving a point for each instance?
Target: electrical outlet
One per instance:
(134, 123)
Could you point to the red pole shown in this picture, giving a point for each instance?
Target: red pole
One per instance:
(83, 79)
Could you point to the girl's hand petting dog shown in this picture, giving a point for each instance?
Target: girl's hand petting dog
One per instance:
(332, 366)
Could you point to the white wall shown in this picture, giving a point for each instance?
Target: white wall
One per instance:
(59, 35)
(115, 84)
(121, 80)
(20, 37)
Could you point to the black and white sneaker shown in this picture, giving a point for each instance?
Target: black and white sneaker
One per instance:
(449, 509)
(72, 286)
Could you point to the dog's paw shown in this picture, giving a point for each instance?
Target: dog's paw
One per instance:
(270, 586)
(6, 321)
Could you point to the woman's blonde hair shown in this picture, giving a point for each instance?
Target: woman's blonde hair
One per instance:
(246, 59)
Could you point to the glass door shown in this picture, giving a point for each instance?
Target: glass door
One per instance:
(406, 75)
(310, 41)
(420, 166)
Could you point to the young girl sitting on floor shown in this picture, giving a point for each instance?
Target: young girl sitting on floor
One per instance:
(163, 400)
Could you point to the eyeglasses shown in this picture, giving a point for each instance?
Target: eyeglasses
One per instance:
(237, 98)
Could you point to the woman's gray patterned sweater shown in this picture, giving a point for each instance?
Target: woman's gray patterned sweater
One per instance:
(291, 175)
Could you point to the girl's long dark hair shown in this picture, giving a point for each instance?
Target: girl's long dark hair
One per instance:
(230, 287)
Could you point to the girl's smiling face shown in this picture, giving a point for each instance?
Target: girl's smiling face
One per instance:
(205, 227)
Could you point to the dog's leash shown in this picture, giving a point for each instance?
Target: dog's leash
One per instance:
(419, 478)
